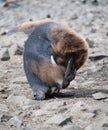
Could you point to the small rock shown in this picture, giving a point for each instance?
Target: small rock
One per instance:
(16, 122)
(90, 42)
(21, 101)
(48, 16)
(3, 33)
(73, 84)
(95, 2)
(73, 17)
(83, 1)
(3, 96)
(20, 80)
(19, 50)
(16, 50)
(80, 106)
(59, 120)
(88, 83)
(71, 127)
(4, 54)
(53, 105)
(93, 30)
(31, 19)
(40, 112)
(100, 96)
(81, 110)
(3, 108)
(88, 115)
(2, 89)
(105, 122)
(93, 127)
(4, 118)
(31, 105)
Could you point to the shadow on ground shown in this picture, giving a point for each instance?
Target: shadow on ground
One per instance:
(78, 93)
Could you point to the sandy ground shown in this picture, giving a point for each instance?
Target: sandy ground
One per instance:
(88, 108)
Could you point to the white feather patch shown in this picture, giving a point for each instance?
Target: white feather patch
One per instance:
(52, 60)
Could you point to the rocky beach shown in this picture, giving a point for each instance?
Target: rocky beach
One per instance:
(87, 109)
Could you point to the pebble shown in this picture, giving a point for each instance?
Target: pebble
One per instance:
(88, 83)
(53, 105)
(3, 33)
(20, 80)
(21, 101)
(74, 17)
(82, 111)
(3, 89)
(105, 122)
(4, 118)
(16, 122)
(93, 30)
(16, 50)
(48, 16)
(4, 54)
(71, 127)
(3, 96)
(4, 92)
(90, 42)
(40, 112)
(100, 96)
(30, 105)
(93, 127)
(81, 106)
(83, 1)
(88, 115)
(59, 120)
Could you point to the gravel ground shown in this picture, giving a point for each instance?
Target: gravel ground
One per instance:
(88, 108)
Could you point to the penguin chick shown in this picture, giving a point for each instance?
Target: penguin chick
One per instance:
(52, 55)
